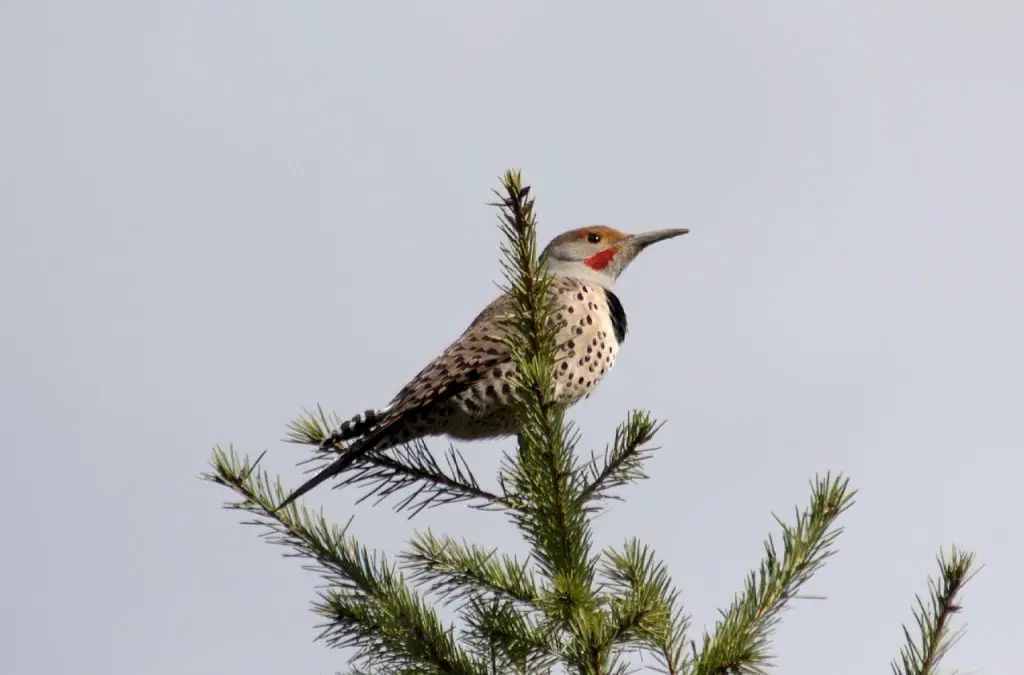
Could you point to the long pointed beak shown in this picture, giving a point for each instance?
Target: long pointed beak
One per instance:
(645, 239)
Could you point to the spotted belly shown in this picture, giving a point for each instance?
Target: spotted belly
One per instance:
(587, 342)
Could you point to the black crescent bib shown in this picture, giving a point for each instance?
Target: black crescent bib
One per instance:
(618, 316)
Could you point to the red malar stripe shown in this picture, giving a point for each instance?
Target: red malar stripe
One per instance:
(600, 260)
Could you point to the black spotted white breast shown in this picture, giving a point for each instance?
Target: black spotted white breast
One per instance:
(466, 392)
(593, 326)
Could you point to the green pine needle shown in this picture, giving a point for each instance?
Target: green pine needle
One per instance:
(741, 641)
(458, 571)
(935, 636)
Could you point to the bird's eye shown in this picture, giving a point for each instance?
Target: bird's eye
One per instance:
(594, 238)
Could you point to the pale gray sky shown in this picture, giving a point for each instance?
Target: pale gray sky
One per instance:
(214, 214)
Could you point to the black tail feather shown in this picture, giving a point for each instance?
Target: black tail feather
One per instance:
(347, 458)
(358, 426)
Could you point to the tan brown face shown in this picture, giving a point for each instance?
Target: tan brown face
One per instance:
(594, 246)
(599, 253)
(594, 235)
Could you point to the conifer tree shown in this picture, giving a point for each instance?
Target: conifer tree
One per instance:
(568, 606)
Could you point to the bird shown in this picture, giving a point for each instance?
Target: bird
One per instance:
(465, 393)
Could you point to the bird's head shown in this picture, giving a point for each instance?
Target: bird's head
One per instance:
(599, 253)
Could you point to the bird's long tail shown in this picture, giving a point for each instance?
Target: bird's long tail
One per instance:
(350, 455)
(369, 428)
(354, 428)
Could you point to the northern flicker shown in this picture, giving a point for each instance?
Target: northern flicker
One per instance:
(465, 392)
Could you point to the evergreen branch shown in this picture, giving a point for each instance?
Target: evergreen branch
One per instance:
(412, 467)
(394, 629)
(553, 520)
(458, 571)
(358, 670)
(590, 645)
(528, 283)
(623, 464)
(492, 647)
(933, 621)
(409, 468)
(312, 428)
(512, 640)
(543, 473)
(644, 607)
(368, 603)
(741, 640)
